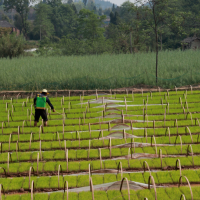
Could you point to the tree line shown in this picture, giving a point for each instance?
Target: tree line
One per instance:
(84, 28)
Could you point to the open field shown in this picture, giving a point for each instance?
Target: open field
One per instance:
(95, 146)
(176, 68)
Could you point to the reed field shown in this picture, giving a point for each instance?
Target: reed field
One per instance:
(176, 68)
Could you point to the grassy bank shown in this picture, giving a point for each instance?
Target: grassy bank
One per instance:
(100, 72)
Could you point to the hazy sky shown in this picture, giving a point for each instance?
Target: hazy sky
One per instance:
(119, 2)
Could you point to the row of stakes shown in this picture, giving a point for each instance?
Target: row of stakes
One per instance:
(119, 170)
(96, 91)
(129, 155)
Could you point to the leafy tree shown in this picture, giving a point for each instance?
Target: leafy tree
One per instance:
(22, 7)
(54, 3)
(107, 12)
(79, 5)
(100, 12)
(64, 19)
(192, 20)
(43, 25)
(113, 8)
(192, 6)
(5, 17)
(90, 25)
(157, 13)
(114, 18)
(70, 1)
(11, 46)
(18, 21)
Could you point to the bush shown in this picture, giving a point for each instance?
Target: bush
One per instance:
(11, 46)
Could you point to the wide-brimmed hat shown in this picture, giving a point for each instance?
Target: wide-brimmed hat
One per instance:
(44, 91)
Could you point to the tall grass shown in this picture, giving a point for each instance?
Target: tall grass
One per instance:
(100, 72)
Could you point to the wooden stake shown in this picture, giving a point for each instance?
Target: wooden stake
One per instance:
(132, 96)
(89, 150)
(2, 127)
(17, 149)
(176, 89)
(30, 140)
(38, 158)
(40, 149)
(18, 131)
(67, 159)
(9, 142)
(110, 144)
(100, 158)
(102, 137)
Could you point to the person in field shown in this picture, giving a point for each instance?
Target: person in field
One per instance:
(40, 107)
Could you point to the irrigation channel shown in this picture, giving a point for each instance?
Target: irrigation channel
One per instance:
(103, 146)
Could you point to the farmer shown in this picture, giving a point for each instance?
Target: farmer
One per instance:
(40, 107)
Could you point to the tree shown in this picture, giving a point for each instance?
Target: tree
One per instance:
(18, 21)
(22, 7)
(157, 13)
(11, 46)
(64, 19)
(42, 22)
(70, 1)
(100, 12)
(54, 3)
(113, 8)
(79, 5)
(5, 18)
(192, 21)
(114, 18)
(90, 25)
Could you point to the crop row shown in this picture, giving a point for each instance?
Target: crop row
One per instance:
(162, 193)
(51, 182)
(10, 134)
(80, 154)
(49, 143)
(22, 110)
(80, 166)
(111, 93)
(191, 124)
(91, 108)
(84, 119)
(129, 97)
(59, 119)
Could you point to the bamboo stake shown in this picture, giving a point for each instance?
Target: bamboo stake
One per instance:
(38, 158)
(67, 159)
(89, 150)
(31, 136)
(40, 149)
(110, 144)
(132, 96)
(100, 158)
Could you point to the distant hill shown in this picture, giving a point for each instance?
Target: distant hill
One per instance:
(104, 4)
(99, 3)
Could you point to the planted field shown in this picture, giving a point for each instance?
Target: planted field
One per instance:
(175, 68)
(102, 146)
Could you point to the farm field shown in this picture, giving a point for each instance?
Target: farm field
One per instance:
(103, 146)
(175, 68)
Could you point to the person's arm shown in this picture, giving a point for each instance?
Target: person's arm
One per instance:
(50, 104)
(35, 100)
